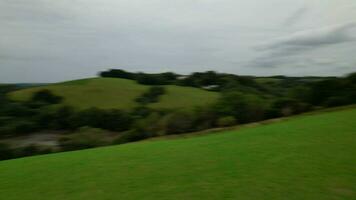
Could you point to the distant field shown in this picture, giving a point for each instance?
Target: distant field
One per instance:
(306, 157)
(118, 93)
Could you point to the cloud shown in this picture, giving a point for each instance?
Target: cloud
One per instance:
(62, 40)
(282, 50)
(315, 37)
(296, 16)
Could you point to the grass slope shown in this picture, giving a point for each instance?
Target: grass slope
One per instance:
(118, 93)
(307, 157)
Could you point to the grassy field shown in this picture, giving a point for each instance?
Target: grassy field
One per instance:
(118, 93)
(306, 157)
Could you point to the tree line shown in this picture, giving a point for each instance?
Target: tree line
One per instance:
(243, 99)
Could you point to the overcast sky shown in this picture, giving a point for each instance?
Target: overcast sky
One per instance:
(50, 41)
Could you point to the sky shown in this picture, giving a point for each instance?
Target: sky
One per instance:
(52, 41)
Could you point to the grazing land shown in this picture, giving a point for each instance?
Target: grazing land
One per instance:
(110, 93)
(304, 157)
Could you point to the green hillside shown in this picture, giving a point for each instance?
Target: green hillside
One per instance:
(306, 157)
(118, 93)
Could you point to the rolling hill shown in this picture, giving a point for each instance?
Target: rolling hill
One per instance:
(118, 93)
(304, 157)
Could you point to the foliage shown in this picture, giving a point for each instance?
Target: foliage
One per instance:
(244, 108)
(151, 96)
(178, 122)
(226, 121)
(142, 78)
(45, 96)
(343, 90)
(114, 120)
(155, 79)
(136, 112)
(5, 152)
(85, 137)
(287, 107)
(117, 73)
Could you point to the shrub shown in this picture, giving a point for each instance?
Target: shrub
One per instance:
(287, 107)
(179, 122)
(204, 118)
(151, 96)
(114, 120)
(18, 126)
(46, 96)
(29, 150)
(336, 101)
(226, 121)
(85, 137)
(63, 118)
(130, 136)
(245, 108)
(148, 127)
(5, 152)
(141, 112)
(117, 73)
(153, 79)
(24, 126)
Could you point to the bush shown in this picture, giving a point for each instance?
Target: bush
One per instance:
(18, 126)
(17, 110)
(63, 118)
(5, 152)
(204, 118)
(245, 108)
(287, 107)
(25, 126)
(86, 137)
(155, 79)
(148, 127)
(46, 96)
(114, 120)
(130, 136)
(141, 112)
(29, 151)
(336, 101)
(179, 122)
(117, 73)
(151, 96)
(226, 121)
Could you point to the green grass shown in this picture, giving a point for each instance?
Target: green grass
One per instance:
(118, 93)
(306, 157)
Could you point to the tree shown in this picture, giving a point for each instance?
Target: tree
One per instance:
(245, 108)
(151, 96)
(117, 73)
(5, 151)
(46, 96)
(178, 122)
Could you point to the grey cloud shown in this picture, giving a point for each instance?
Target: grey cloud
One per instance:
(315, 37)
(46, 40)
(283, 50)
(296, 16)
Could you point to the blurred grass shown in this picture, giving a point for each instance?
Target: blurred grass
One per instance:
(305, 157)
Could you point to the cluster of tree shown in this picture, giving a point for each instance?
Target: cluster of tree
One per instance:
(151, 96)
(333, 92)
(142, 78)
(243, 100)
(197, 79)
(37, 114)
(6, 152)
